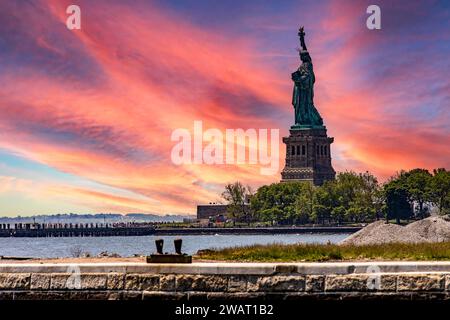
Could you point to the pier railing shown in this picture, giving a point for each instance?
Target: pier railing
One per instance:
(74, 229)
(145, 229)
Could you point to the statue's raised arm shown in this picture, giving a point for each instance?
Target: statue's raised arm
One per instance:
(301, 34)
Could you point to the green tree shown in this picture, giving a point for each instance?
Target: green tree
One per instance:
(338, 214)
(358, 195)
(418, 185)
(304, 203)
(324, 202)
(440, 190)
(276, 202)
(237, 195)
(397, 205)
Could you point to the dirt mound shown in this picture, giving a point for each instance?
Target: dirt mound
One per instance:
(434, 229)
(382, 232)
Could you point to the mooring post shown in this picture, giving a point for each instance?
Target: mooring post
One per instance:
(159, 245)
(178, 243)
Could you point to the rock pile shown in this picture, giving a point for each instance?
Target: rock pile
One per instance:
(432, 229)
(106, 254)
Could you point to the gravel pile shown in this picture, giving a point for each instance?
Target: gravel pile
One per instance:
(432, 229)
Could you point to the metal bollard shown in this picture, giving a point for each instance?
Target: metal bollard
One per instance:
(178, 243)
(159, 246)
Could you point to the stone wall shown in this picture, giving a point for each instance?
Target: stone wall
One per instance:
(224, 281)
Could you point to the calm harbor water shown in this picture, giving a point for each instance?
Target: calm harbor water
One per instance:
(128, 246)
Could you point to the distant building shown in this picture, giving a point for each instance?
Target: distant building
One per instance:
(217, 211)
(205, 211)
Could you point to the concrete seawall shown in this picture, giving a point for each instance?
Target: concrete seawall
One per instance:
(212, 281)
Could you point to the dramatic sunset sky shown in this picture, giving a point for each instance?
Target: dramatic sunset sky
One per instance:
(86, 115)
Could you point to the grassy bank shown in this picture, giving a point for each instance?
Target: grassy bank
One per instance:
(330, 252)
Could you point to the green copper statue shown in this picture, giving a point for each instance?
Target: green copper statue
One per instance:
(306, 115)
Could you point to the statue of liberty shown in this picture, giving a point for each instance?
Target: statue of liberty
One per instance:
(306, 114)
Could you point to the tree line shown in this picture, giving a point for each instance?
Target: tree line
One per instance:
(350, 198)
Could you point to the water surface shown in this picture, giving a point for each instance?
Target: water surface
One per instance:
(144, 245)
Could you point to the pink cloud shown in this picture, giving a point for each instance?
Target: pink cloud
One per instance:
(152, 74)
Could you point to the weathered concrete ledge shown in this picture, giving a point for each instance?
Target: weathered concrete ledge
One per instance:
(232, 268)
(285, 281)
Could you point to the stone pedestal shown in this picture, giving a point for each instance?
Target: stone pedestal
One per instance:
(308, 156)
